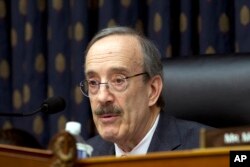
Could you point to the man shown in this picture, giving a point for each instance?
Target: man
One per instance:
(124, 82)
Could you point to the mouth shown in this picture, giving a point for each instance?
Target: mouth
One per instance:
(108, 118)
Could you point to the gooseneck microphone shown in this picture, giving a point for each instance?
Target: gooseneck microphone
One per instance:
(51, 105)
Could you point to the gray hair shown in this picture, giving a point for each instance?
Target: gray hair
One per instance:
(151, 55)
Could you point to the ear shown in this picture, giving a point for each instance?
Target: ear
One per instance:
(155, 88)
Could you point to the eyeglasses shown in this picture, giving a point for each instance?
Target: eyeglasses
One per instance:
(117, 82)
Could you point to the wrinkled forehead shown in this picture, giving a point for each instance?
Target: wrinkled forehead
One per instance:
(115, 50)
(114, 43)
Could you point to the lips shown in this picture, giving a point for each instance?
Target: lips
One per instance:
(108, 118)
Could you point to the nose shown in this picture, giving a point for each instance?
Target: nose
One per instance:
(104, 95)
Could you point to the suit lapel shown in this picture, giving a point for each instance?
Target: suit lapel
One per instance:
(102, 147)
(166, 136)
(107, 149)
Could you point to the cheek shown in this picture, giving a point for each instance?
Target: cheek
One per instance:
(94, 106)
(138, 99)
(134, 106)
(138, 104)
(95, 120)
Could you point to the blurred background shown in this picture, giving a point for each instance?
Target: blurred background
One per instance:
(42, 44)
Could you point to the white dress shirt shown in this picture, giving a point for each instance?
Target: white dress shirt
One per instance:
(143, 146)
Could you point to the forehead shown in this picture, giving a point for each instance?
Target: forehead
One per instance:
(115, 52)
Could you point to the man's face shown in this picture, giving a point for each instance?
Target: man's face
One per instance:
(112, 55)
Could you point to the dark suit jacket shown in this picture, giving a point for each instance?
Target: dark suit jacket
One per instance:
(170, 134)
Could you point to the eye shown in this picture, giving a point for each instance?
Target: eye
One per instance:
(93, 83)
(118, 80)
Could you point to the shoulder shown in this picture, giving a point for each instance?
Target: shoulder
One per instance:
(94, 139)
(184, 127)
(181, 123)
(190, 124)
(183, 134)
(190, 132)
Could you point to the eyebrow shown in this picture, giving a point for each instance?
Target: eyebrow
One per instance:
(112, 70)
(119, 70)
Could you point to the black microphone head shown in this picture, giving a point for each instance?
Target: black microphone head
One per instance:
(53, 105)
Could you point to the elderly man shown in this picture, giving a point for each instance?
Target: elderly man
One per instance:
(124, 82)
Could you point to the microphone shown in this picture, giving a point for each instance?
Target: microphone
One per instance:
(51, 105)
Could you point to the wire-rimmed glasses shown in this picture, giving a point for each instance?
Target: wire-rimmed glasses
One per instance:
(118, 83)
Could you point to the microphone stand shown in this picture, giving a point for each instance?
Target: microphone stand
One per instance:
(43, 108)
(50, 106)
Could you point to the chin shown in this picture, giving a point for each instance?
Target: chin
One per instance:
(109, 135)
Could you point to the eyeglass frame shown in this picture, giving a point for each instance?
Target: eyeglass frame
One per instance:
(82, 84)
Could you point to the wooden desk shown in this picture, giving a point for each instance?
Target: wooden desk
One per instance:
(13, 156)
(211, 157)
